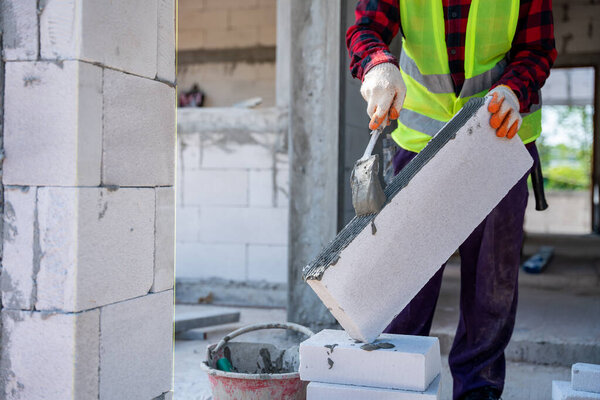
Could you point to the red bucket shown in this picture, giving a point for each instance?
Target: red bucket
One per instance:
(263, 371)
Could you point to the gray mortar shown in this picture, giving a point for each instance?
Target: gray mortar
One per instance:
(37, 253)
(331, 252)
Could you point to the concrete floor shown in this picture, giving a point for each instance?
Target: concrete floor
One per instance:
(554, 329)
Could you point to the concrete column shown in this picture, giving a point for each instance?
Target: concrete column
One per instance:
(89, 144)
(313, 147)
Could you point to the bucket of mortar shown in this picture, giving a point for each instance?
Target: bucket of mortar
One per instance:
(260, 371)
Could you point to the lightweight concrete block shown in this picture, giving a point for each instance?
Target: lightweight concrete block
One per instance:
(244, 225)
(189, 152)
(267, 263)
(139, 131)
(329, 391)
(165, 64)
(239, 149)
(400, 362)
(49, 355)
(60, 143)
(215, 188)
(18, 270)
(19, 29)
(187, 226)
(562, 390)
(201, 260)
(136, 347)
(268, 188)
(164, 239)
(585, 377)
(97, 246)
(118, 34)
(378, 263)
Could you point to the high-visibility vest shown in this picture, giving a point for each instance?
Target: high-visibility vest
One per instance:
(430, 95)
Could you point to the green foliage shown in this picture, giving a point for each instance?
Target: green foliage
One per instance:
(567, 164)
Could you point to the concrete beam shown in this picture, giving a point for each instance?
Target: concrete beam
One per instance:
(313, 147)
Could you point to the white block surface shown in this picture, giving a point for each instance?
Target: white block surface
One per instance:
(164, 239)
(215, 187)
(561, 390)
(585, 377)
(20, 29)
(198, 260)
(18, 250)
(165, 66)
(420, 228)
(59, 144)
(136, 347)
(239, 150)
(244, 225)
(139, 140)
(268, 263)
(269, 188)
(329, 391)
(97, 246)
(412, 364)
(187, 226)
(49, 356)
(118, 34)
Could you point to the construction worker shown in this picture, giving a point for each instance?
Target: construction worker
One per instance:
(453, 50)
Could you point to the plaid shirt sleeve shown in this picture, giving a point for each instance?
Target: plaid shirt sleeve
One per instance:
(377, 23)
(533, 52)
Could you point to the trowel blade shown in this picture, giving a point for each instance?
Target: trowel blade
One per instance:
(367, 194)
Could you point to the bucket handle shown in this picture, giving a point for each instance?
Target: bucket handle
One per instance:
(255, 327)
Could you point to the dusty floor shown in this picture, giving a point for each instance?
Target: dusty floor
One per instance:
(558, 321)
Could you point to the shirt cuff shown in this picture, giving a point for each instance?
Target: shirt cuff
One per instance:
(376, 58)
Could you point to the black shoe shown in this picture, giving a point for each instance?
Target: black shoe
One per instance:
(483, 393)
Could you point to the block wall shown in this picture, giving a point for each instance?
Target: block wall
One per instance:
(232, 195)
(88, 237)
(224, 38)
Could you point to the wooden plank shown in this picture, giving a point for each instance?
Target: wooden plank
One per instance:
(202, 319)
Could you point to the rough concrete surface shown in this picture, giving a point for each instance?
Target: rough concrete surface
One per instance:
(164, 239)
(138, 142)
(59, 144)
(19, 29)
(136, 347)
(49, 355)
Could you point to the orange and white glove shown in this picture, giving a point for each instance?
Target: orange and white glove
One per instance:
(384, 90)
(504, 107)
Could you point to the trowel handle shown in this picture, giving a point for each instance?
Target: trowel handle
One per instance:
(374, 136)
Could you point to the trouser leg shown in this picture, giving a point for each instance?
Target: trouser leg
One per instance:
(490, 260)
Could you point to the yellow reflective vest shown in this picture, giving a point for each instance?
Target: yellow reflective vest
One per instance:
(431, 100)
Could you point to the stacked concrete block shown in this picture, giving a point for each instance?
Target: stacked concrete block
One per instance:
(584, 385)
(88, 227)
(232, 196)
(393, 366)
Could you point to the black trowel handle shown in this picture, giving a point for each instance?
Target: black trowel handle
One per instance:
(537, 182)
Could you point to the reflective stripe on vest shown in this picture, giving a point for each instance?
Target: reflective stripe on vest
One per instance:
(431, 100)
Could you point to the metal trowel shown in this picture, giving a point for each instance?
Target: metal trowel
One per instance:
(367, 194)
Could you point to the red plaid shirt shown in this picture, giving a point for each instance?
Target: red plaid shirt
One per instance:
(531, 57)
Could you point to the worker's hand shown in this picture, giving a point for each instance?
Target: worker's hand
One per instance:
(504, 107)
(384, 91)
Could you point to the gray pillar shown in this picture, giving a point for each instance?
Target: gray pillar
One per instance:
(313, 147)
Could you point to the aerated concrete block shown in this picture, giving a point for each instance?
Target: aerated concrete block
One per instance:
(561, 390)
(18, 251)
(166, 41)
(118, 34)
(19, 29)
(139, 131)
(164, 239)
(49, 355)
(97, 246)
(136, 347)
(585, 377)
(329, 391)
(392, 362)
(379, 262)
(60, 142)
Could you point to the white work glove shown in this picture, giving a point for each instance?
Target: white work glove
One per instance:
(384, 91)
(504, 107)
